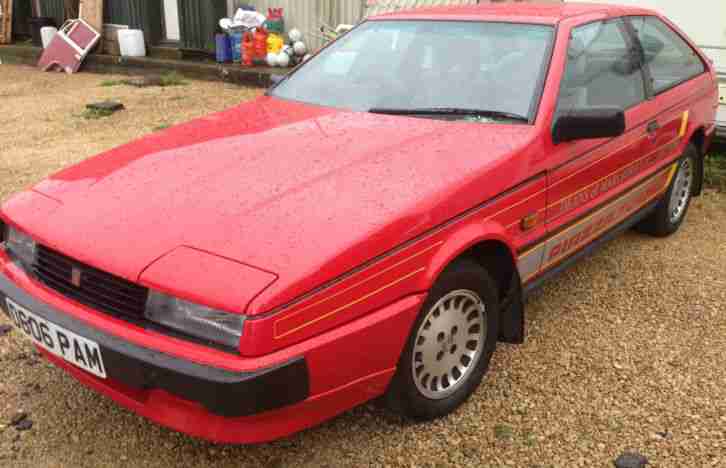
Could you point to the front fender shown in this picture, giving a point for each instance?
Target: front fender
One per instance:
(461, 239)
(206, 279)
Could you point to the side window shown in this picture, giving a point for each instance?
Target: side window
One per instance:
(603, 69)
(670, 59)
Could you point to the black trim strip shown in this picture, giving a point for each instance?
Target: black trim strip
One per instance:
(565, 264)
(221, 392)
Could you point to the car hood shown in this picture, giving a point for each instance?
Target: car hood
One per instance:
(304, 192)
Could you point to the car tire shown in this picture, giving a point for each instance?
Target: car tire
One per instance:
(671, 210)
(456, 330)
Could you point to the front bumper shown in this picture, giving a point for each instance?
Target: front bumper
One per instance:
(221, 392)
(345, 367)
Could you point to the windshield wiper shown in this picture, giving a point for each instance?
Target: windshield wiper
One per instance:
(451, 111)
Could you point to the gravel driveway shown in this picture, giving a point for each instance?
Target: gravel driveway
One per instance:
(625, 351)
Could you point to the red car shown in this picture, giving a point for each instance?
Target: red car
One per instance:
(369, 227)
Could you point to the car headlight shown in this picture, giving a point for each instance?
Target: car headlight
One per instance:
(195, 320)
(20, 246)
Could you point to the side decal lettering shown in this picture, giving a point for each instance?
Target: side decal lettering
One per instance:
(565, 243)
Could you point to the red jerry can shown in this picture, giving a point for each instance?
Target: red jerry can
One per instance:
(248, 49)
(260, 55)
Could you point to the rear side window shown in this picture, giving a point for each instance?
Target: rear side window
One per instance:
(603, 69)
(670, 59)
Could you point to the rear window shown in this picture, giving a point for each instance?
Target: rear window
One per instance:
(671, 60)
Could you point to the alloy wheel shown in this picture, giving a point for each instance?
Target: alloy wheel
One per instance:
(449, 343)
(681, 194)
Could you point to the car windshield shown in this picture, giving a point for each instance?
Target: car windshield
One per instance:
(455, 68)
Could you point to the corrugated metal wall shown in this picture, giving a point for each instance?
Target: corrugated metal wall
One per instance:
(136, 14)
(198, 23)
(53, 9)
(22, 12)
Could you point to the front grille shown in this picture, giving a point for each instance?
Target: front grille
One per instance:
(97, 289)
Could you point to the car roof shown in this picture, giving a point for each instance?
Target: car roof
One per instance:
(521, 12)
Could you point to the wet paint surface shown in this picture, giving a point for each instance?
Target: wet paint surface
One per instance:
(305, 193)
(338, 222)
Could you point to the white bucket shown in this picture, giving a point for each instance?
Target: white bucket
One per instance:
(131, 43)
(46, 35)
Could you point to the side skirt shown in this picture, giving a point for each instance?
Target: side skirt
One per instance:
(634, 219)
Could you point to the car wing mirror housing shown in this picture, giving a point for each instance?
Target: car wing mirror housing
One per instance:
(586, 124)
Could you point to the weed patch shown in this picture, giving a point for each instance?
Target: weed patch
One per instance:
(715, 171)
(503, 432)
(95, 114)
(172, 79)
(110, 83)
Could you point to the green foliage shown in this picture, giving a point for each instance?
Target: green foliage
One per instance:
(172, 79)
(715, 170)
(95, 114)
(168, 79)
(503, 432)
(110, 83)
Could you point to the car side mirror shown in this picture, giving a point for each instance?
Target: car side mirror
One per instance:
(585, 124)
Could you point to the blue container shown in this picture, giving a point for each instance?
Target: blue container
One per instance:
(224, 48)
(236, 46)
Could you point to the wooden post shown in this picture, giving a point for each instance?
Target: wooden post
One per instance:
(6, 21)
(70, 9)
(91, 11)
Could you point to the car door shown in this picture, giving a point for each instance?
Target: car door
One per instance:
(676, 77)
(604, 68)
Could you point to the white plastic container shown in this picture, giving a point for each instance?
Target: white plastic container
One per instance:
(46, 35)
(131, 42)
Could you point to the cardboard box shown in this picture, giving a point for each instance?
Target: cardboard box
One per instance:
(110, 38)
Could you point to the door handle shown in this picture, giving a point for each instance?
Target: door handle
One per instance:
(653, 128)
